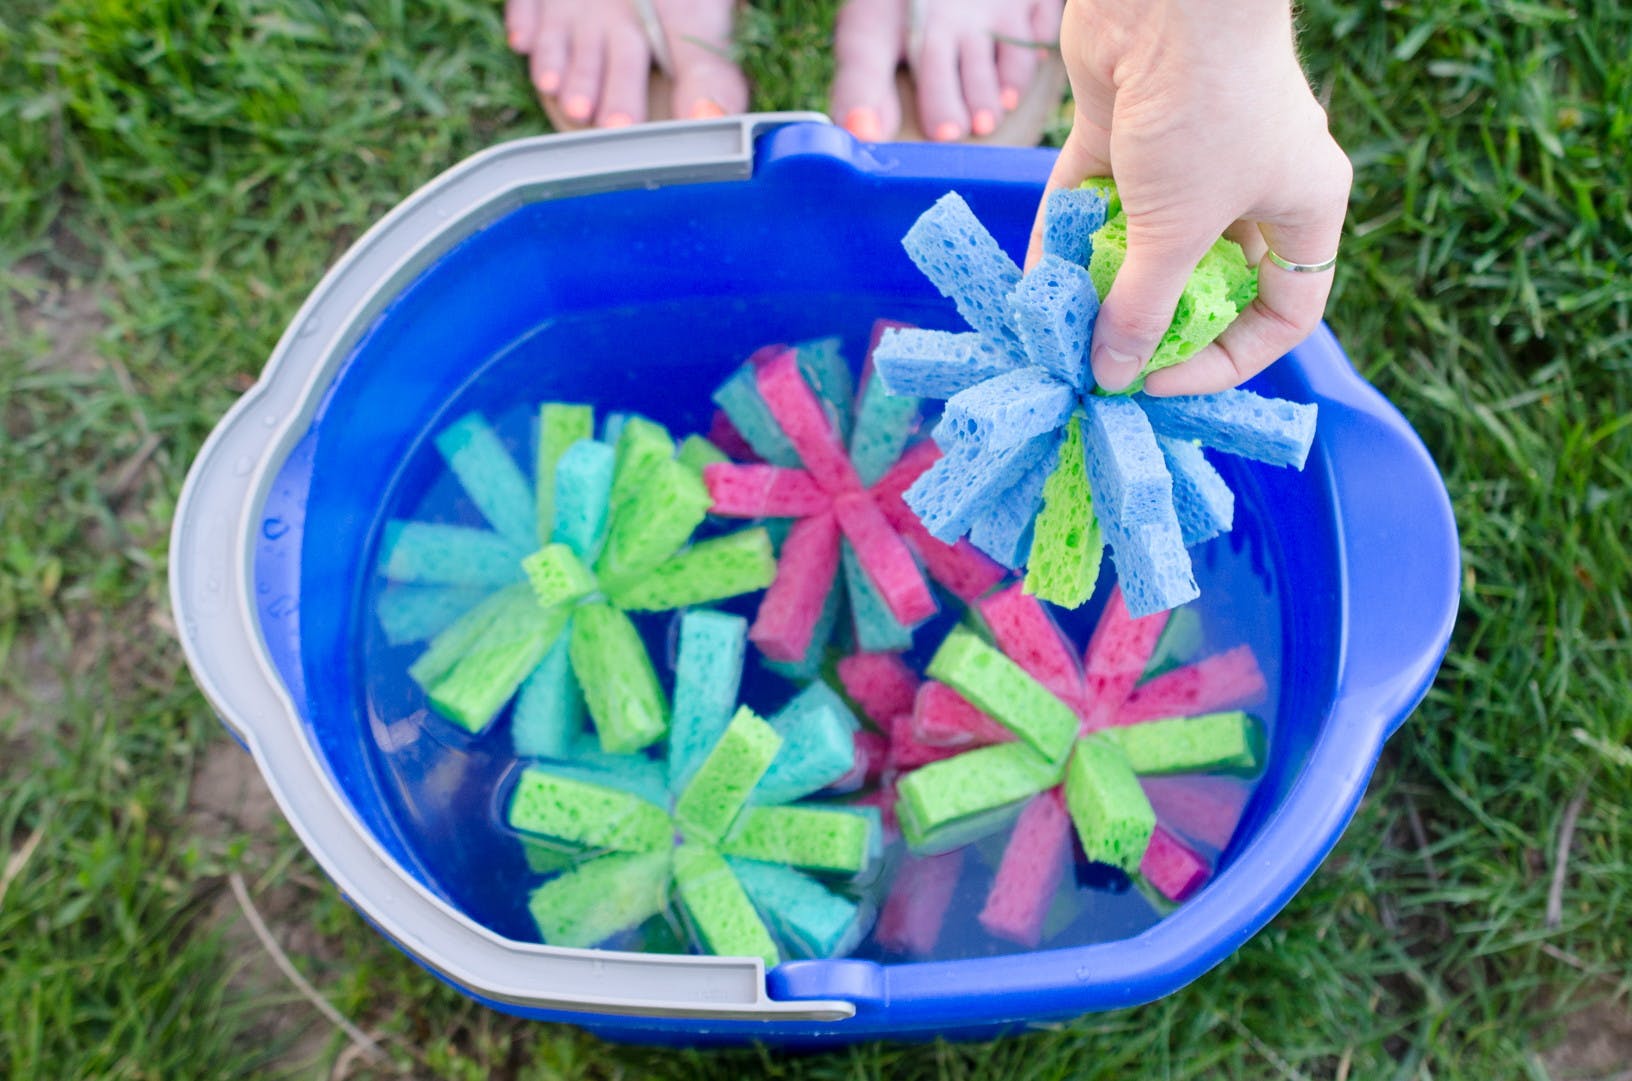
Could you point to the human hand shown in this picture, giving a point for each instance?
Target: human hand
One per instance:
(1200, 112)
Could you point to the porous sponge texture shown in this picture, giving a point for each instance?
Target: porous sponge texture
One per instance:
(965, 263)
(1067, 545)
(1114, 820)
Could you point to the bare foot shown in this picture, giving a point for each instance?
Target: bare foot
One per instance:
(972, 63)
(593, 61)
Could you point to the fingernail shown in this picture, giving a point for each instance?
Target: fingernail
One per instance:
(549, 82)
(947, 132)
(617, 120)
(706, 109)
(863, 123)
(1124, 367)
(515, 40)
(984, 122)
(578, 106)
(1010, 98)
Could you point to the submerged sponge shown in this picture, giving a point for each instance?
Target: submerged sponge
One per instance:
(548, 804)
(1004, 690)
(721, 914)
(762, 491)
(1175, 871)
(1029, 875)
(937, 364)
(653, 520)
(492, 662)
(876, 628)
(969, 785)
(583, 497)
(490, 477)
(808, 918)
(1114, 820)
(410, 613)
(1227, 680)
(449, 555)
(617, 679)
(593, 902)
(560, 426)
(719, 787)
(787, 617)
(549, 713)
(836, 839)
(719, 567)
(707, 674)
(818, 746)
(916, 909)
(964, 261)
(1211, 741)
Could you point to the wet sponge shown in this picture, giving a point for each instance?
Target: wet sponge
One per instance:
(586, 906)
(1067, 544)
(586, 814)
(964, 261)
(1271, 430)
(1007, 409)
(841, 841)
(1002, 689)
(936, 363)
(1213, 741)
(721, 914)
(1114, 820)
(810, 919)
(1054, 309)
(1204, 503)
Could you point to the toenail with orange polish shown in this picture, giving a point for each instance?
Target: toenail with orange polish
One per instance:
(549, 82)
(617, 120)
(946, 131)
(1010, 98)
(706, 109)
(577, 106)
(984, 122)
(863, 123)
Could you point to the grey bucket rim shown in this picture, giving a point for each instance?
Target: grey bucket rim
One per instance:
(212, 546)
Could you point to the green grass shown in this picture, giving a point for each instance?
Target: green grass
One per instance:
(185, 170)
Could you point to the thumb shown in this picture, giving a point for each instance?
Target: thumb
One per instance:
(1139, 308)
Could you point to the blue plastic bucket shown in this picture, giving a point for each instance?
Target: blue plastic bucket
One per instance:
(658, 259)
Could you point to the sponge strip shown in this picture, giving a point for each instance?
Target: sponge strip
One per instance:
(959, 567)
(697, 453)
(641, 445)
(1172, 868)
(1004, 530)
(738, 397)
(1271, 430)
(590, 904)
(635, 774)
(549, 711)
(1133, 494)
(809, 666)
(492, 666)
(797, 409)
(1071, 216)
(763, 491)
(557, 576)
(818, 746)
(448, 555)
(583, 496)
(707, 674)
(822, 362)
(876, 629)
(970, 784)
(881, 684)
(721, 567)
(721, 914)
(1026, 633)
(810, 919)
(941, 717)
(885, 557)
(586, 813)
(559, 427)
(619, 685)
(1054, 309)
(841, 841)
(955, 489)
(491, 478)
(1114, 820)
(788, 613)
(1204, 809)
(955, 252)
(1007, 409)
(415, 613)
(1068, 545)
(1118, 651)
(937, 363)
(916, 909)
(1029, 875)
(884, 423)
(719, 787)
(655, 519)
(1004, 690)
(1204, 503)
(907, 751)
(1227, 680)
(511, 605)
(1229, 741)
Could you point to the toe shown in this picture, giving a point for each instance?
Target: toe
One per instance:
(521, 20)
(548, 54)
(581, 82)
(977, 67)
(1016, 67)
(707, 82)
(868, 39)
(941, 108)
(623, 80)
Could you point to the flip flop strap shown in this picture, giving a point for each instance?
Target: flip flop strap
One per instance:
(656, 39)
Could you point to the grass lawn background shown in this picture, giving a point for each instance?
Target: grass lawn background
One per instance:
(175, 175)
